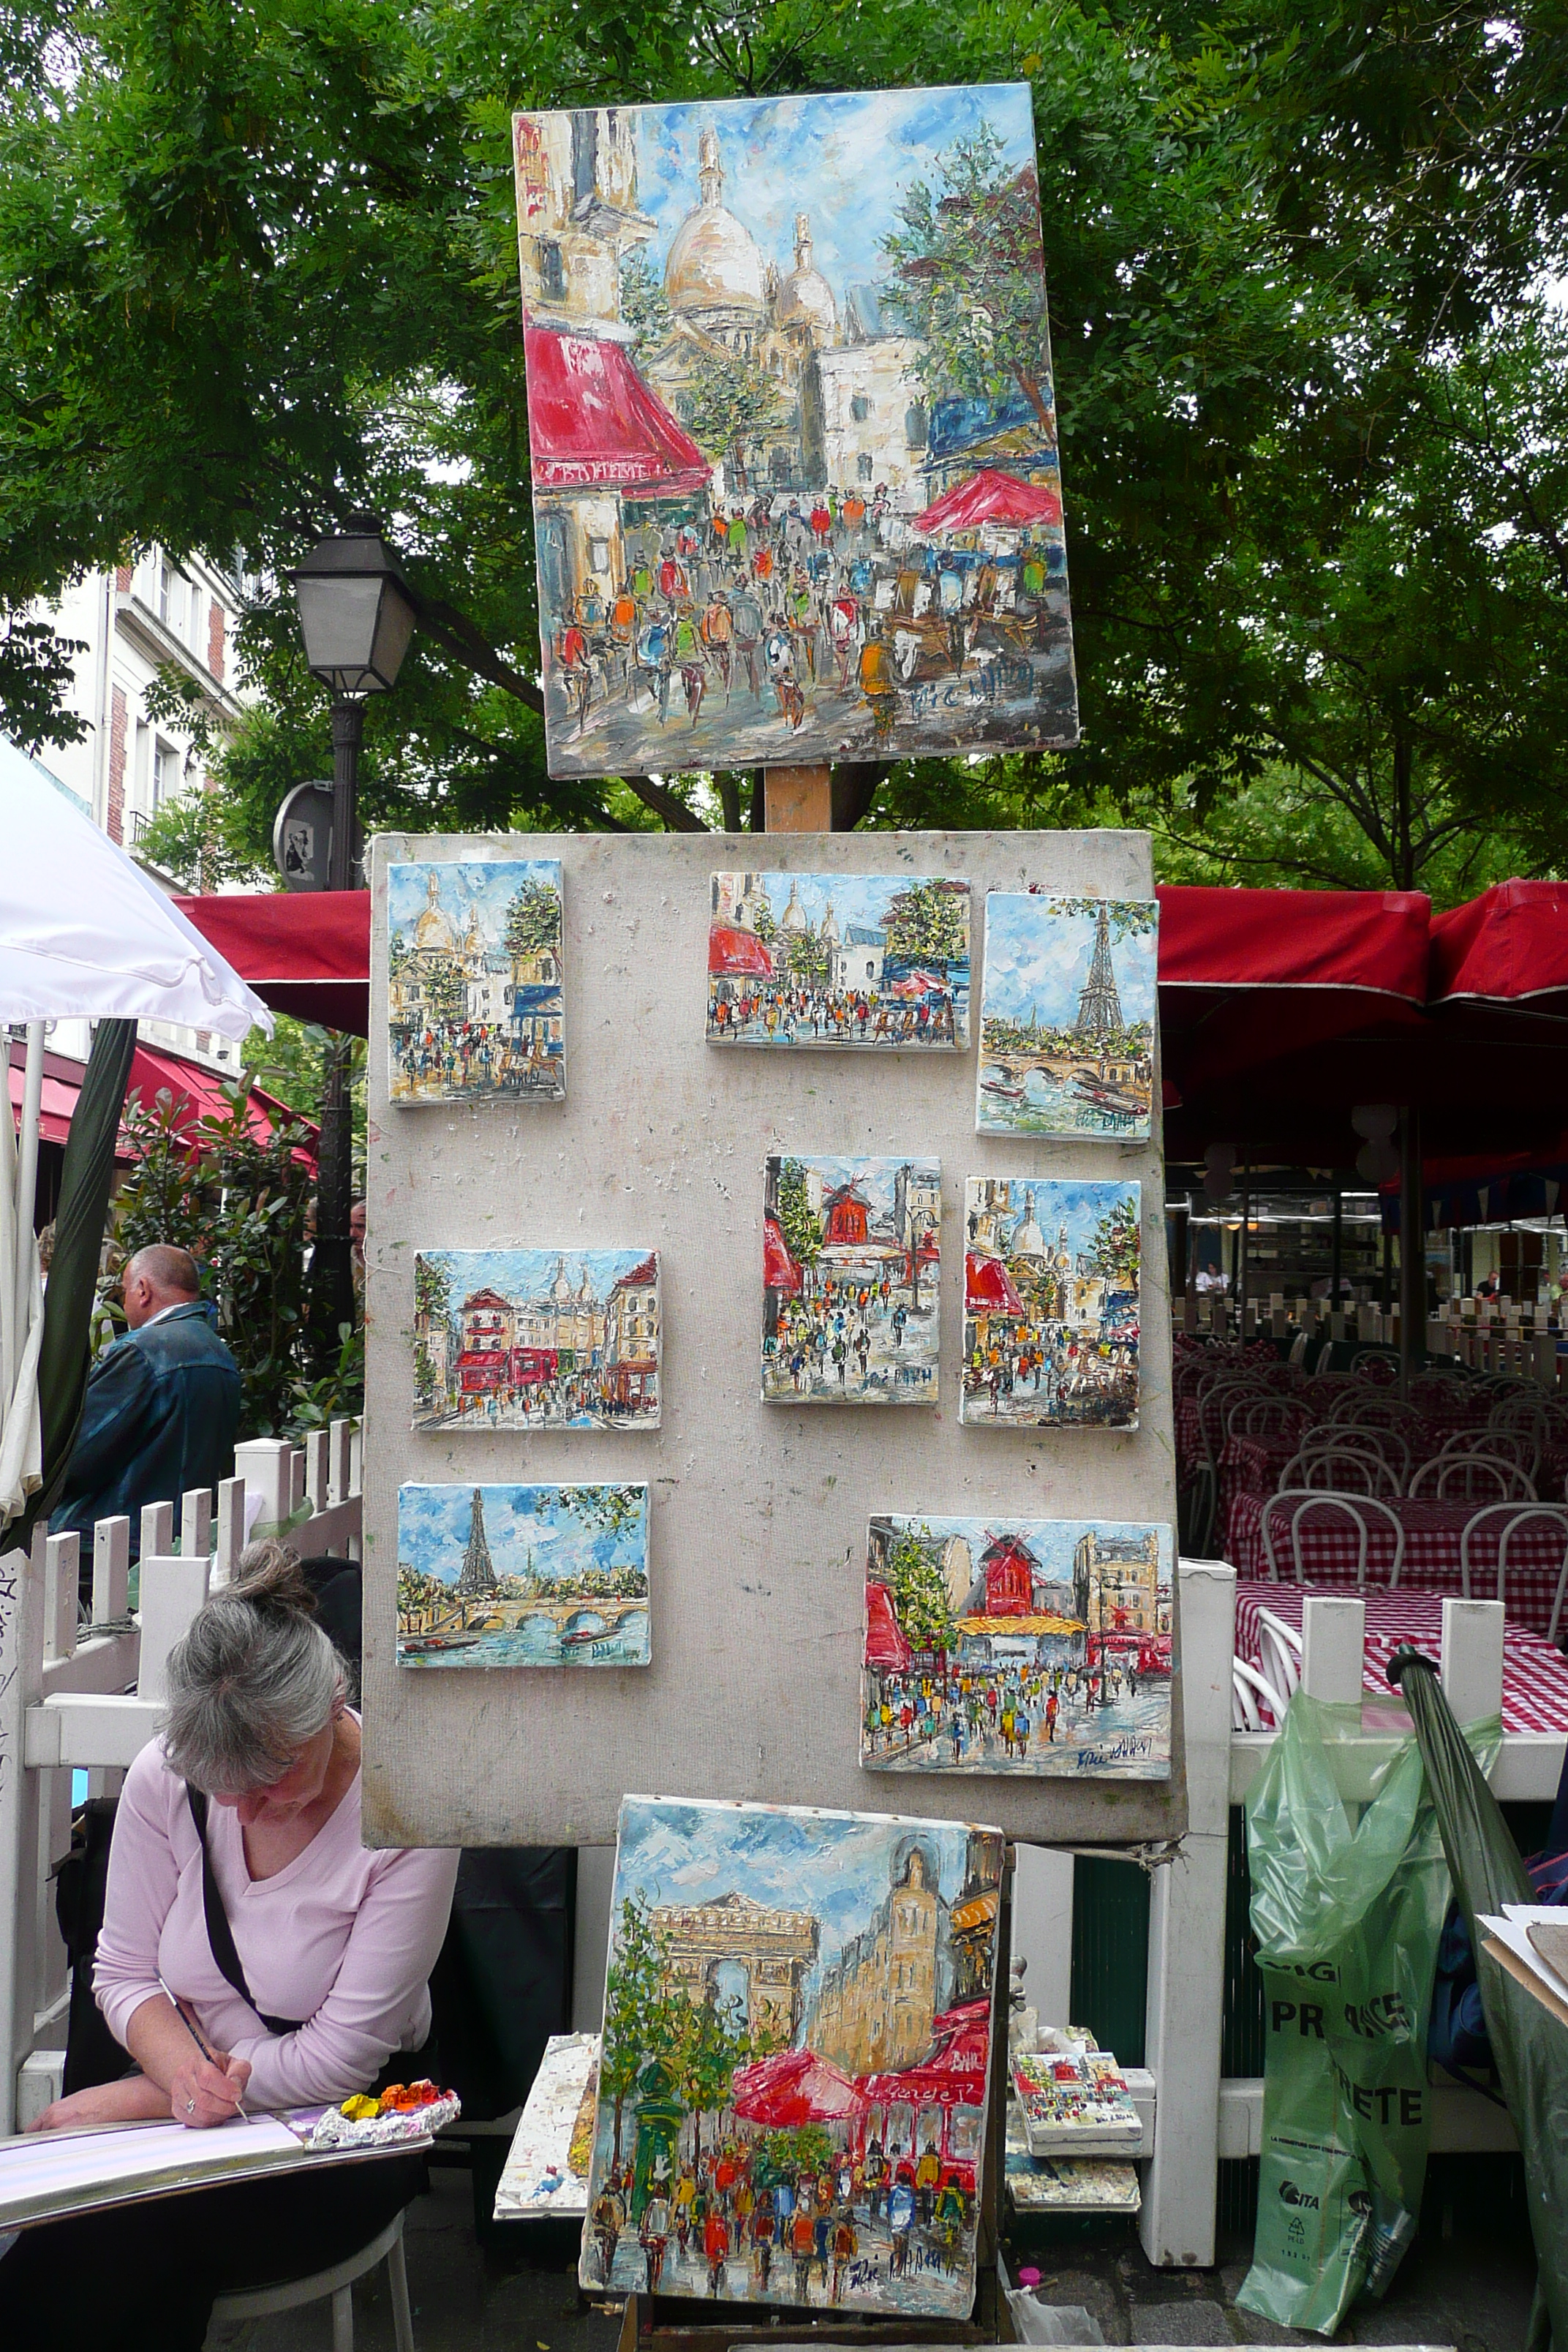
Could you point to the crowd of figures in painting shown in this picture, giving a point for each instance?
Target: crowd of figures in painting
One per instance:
(1066, 1017)
(793, 437)
(798, 2027)
(536, 1338)
(838, 959)
(851, 1281)
(523, 1576)
(1038, 1647)
(475, 992)
(1051, 1287)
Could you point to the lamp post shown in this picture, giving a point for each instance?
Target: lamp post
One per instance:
(356, 617)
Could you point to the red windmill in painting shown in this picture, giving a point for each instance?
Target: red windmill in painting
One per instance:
(1010, 1568)
(845, 1219)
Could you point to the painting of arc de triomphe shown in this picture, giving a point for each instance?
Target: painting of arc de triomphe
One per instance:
(775, 1948)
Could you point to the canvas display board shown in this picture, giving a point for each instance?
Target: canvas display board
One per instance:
(796, 486)
(758, 1513)
(792, 2093)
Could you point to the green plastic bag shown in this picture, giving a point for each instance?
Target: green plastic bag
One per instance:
(1349, 1890)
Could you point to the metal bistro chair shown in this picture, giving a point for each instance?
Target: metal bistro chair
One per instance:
(1354, 1506)
(290, 2295)
(1520, 1444)
(1389, 1445)
(1514, 1515)
(1279, 1648)
(1338, 1470)
(1438, 1475)
(1247, 1687)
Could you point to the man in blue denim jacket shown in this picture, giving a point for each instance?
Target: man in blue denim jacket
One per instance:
(162, 1405)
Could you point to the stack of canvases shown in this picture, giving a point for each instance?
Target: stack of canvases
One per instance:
(792, 2090)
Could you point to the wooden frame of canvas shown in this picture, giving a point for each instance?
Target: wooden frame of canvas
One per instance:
(759, 1513)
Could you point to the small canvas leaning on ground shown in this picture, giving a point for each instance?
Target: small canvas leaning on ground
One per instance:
(1024, 1647)
(851, 1281)
(476, 1001)
(875, 961)
(797, 2041)
(523, 1576)
(536, 1339)
(1066, 1017)
(796, 486)
(1051, 1302)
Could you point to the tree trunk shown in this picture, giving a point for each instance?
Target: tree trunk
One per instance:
(616, 2150)
(1036, 400)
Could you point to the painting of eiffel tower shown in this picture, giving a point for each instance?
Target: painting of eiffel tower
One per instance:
(1066, 1017)
(478, 1580)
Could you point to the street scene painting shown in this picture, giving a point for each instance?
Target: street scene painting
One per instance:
(1051, 1302)
(523, 1576)
(536, 1338)
(796, 485)
(1066, 1017)
(1037, 1647)
(475, 995)
(851, 1280)
(880, 961)
(797, 2039)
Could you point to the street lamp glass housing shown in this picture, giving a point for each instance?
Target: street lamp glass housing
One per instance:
(355, 614)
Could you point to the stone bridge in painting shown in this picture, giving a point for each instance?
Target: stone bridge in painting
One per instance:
(773, 1948)
(491, 1616)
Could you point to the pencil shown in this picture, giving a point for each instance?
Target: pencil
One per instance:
(194, 2035)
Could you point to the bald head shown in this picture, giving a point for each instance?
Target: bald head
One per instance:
(159, 1275)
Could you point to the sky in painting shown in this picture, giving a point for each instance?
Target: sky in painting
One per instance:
(1038, 959)
(862, 899)
(528, 1529)
(523, 1273)
(844, 159)
(1052, 1541)
(1058, 1202)
(837, 1865)
(874, 1180)
(489, 886)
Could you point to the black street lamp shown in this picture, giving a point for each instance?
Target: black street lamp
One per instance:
(356, 617)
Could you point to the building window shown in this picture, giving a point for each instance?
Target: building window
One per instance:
(915, 427)
(599, 554)
(779, 465)
(165, 778)
(859, 407)
(865, 466)
(552, 272)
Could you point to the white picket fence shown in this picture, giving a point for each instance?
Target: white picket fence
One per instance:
(76, 1697)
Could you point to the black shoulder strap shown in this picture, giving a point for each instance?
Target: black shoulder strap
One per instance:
(220, 1934)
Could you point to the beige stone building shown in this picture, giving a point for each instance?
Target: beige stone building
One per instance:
(874, 2010)
(1116, 1583)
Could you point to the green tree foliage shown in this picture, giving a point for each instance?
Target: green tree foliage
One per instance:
(920, 1591)
(533, 920)
(711, 2043)
(929, 922)
(730, 407)
(801, 1225)
(637, 2020)
(644, 305)
(1115, 1249)
(609, 1510)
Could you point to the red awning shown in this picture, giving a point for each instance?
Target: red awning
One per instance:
(955, 2073)
(198, 1092)
(991, 496)
(793, 2086)
(988, 1287)
(887, 1644)
(733, 953)
(780, 1271)
(59, 1098)
(305, 953)
(592, 421)
(1510, 946)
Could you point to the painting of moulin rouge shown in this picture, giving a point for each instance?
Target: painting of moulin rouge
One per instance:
(878, 961)
(536, 1338)
(1051, 1303)
(1066, 1017)
(797, 2033)
(792, 431)
(1024, 1646)
(523, 1576)
(851, 1281)
(474, 994)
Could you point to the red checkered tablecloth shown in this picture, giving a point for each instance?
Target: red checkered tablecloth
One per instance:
(1534, 1674)
(1432, 1530)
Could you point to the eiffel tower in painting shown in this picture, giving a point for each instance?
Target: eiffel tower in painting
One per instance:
(1100, 1007)
(478, 1578)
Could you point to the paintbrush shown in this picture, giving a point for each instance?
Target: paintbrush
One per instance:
(197, 2037)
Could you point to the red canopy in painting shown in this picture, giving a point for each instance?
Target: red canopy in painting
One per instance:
(593, 422)
(955, 2073)
(793, 2086)
(735, 954)
(991, 496)
(988, 1287)
(780, 1271)
(886, 1644)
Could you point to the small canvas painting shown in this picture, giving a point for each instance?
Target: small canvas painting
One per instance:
(793, 430)
(475, 997)
(880, 961)
(536, 1338)
(523, 1576)
(1051, 1302)
(1066, 1017)
(1024, 1647)
(797, 2046)
(851, 1281)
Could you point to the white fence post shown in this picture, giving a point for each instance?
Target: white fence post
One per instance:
(230, 1530)
(157, 1531)
(1333, 1635)
(111, 1570)
(265, 1463)
(62, 1559)
(196, 1522)
(1472, 1658)
(1186, 1939)
(172, 1592)
(21, 1681)
(338, 1440)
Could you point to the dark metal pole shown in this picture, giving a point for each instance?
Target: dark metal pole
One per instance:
(1411, 1252)
(1241, 1250)
(1336, 1257)
(332, 1264)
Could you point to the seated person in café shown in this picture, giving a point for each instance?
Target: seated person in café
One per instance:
(162, 1406)
(320, 1988)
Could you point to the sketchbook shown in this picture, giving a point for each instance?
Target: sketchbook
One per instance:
(43, 2174)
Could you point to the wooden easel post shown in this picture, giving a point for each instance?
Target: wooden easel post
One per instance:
(797, 800)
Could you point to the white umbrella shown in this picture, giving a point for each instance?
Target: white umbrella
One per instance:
(84, 935)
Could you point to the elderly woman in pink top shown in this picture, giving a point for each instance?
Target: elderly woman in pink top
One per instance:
(237, 1880)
